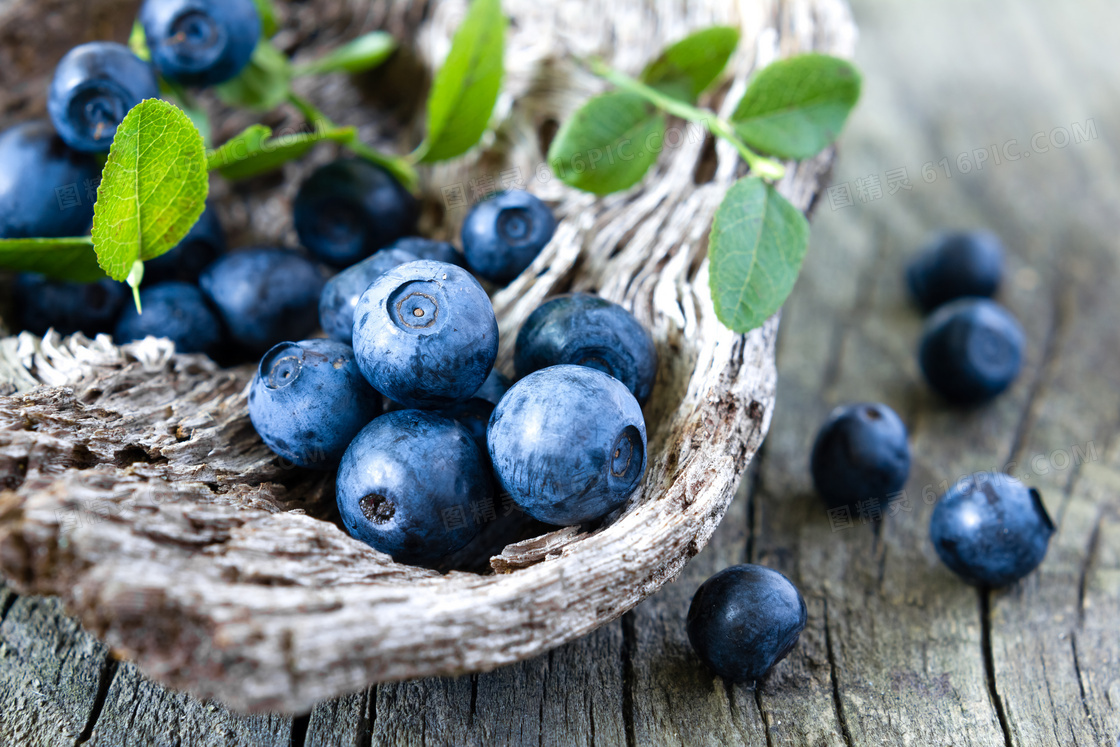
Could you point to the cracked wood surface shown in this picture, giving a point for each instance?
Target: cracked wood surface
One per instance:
(896, 651)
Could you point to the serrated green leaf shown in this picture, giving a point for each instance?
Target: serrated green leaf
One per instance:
(365, 52)
(466, 87)
(688, 67)
(756, 247)
(62, 259)
(267, 12)
(608, 144)
(255, 151)
(263, 84)
(153, 187)
(794, 108)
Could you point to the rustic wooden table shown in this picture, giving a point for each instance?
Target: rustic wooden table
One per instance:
(1001, 116)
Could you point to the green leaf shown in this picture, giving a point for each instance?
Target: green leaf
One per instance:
(138, 43)
(756, 246)
(608, 144)
(688, 67)
(466, 87)
(62, 259)
(255, 151)
(363, 53)
(263, 84)
(794, 108)
(267, 11)
(153, 187)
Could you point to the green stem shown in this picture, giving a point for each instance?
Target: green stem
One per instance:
(767, 168)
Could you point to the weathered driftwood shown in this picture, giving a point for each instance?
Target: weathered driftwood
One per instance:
(136, 490)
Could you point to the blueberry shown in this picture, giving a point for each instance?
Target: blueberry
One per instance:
(200, 42)
(174, 310)
(341, 293)
(504, 234)
(94, 86)
(860, 456)
(474, 414)
(43, 184)
(350, 208)
(992, 533)
(90, 308)
(744, 620)
(264, 295)
(494, 388)
(956, 265)
(586, 330)
(440, 251)
(425, 334)
(407, 485)
(568, 443)
(203, 244)
(971, 350)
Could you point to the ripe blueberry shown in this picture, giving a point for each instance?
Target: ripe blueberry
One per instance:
(586, 330)
(200, 42)
(308, 400)
(350, 208)
(341, 293)
(425, 334)
(744, 620)
(174, 310)
(407, 484)
(956, 265)
(43, 184)
(568, 443)
(504, 234)
(264, 295)
(440, 251)
(860, 455)
(991, 534)
(474, 414)
(971, 350)
(203, 244)
(94, 86)
(90, 308)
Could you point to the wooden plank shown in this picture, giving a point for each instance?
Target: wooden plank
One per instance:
(342, 722)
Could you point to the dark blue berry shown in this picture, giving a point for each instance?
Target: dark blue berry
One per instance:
(308, 400)
(177, 311)
(475, 413)
(971, 350)
(44, 184)
(350, 208)
(425, 334)
(956, 265)
(744, 620)
(91, 308)
(494, 388)
(504, 234)
(200, 42)
(860, 456)
(94, 86)
(203, 244)
(408, 486)
(341, 293)
(264, 295)
(991, 533)
(586, 330)
(568, 443)
(440, 251)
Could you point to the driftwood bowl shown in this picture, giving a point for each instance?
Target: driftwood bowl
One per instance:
(134, 487)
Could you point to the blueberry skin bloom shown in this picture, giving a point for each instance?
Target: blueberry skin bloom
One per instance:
(568, 443)
(744, 620)
(90, 308)
(350, 208)
(308, 400)
(94, 86)
(860, 455)
(264, 295)
(440, 251)
(200, 42)
(407, 483)
(971, 350)
(956, 265)
(504, 234)
(203, 244)
(586, 330)
(425, 334)
(177, 311)
(341, 293)
(991, 534)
